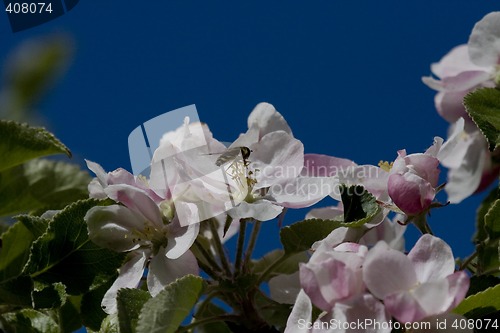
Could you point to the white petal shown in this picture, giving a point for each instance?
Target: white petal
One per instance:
(180, 239)
(129, 277)
(275, 157)
(261, 210)
(301, 313)
(484, 41)
(464, 180)
(265, 117)
(302, 192)
(386, 271)
(454, 63)
(432, 259)
(284, 288)
(114, 227)
(163, 270)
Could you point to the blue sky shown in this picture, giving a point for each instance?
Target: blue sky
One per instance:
(345, 74)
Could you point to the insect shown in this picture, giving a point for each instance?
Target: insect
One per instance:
(232, 153)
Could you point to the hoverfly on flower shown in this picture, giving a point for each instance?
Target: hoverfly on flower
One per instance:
(232, 153)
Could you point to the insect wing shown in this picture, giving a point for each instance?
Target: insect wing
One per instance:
(228, 155)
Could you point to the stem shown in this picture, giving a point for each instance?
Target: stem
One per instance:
(252, 242)
(271, 267)
(219, 248)
(214, 267)
(467, 261)
(208, 320)
(239, 249)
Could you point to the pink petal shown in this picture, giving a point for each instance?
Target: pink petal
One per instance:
(458, 286)
(137, 200)
(316, 165)
(302, 191)
(455, 62)
(410, 193)
(361, 309)
(432, 259)
(386, 271)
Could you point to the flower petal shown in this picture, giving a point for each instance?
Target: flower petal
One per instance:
(301, 313)
(129, 277)
(302, 192)
(261, 210)
(163, 270)
(180, 238)
(484, 41)
(275, 157)
(379, 269)
(284, 288)
(432, 259)
(136, 200)
(114, 227)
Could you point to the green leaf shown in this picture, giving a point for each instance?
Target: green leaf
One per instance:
(110, 324)
(289, 266)
(130, 303)
(41, 185)
(16, 291)
(30, 321)
(485, 206)
(483, 106)
(210, 310)
(480, 304)
(489, 249)
(20, 143)
(300, 236)
(16, 243)
(164, 313)
(360, 206)
(68, 315)
(51, 296)
(35, 224)
(64, 253)
(31, 71)
(90, 307)
(274, 313)
(492, 221)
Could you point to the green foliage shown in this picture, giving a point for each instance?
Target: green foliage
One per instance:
(480, 304)
(64, 253)
(289, 266)
(20, 143)
(164, 312)
(300, 236)
(16, 243)
(30, 321)
(483, 106)
(130, 303)
(210, 310)
(488, 248)
(39, 185)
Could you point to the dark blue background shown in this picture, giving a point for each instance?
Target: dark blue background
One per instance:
(345, 74)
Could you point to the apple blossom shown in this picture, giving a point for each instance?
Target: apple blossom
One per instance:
(139, 228)
(418, 285)
(412, 182)
(463, 69)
